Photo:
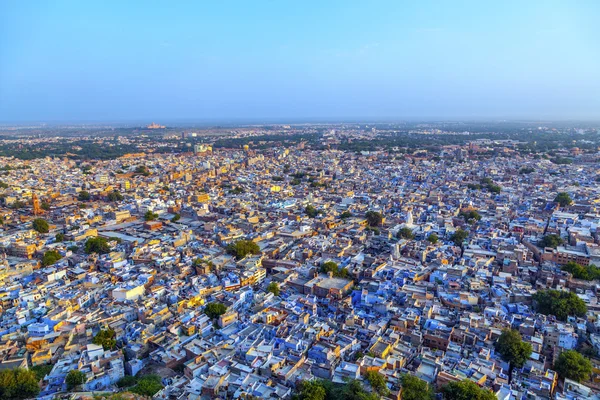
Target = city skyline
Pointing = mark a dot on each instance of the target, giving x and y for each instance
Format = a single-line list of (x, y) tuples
[(70, 62)]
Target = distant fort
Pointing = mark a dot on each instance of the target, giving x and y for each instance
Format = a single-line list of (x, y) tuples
[(154, 125)]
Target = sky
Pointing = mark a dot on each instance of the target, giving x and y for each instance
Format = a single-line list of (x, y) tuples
[(109, 61)]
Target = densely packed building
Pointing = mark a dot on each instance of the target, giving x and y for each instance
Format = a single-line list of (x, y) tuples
[(233, 273)]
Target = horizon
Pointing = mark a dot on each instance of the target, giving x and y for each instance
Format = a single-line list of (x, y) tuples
[(68, 62)]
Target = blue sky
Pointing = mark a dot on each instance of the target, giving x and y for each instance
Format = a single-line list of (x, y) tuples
[(196, 60)]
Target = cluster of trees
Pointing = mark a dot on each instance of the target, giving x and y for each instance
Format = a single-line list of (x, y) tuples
[(115, 195), (551, 240), (374, 218), (146, 385), (332, 267), (18, 384), (563, 199), (559, 303), (97, 245), (242, 248), (345, 215), (106, 339), (325, 389), (215, 309), (470, 216), (413, 388), (485, 183), (40, 225), (50, 257), (589, 273), (142, 170)]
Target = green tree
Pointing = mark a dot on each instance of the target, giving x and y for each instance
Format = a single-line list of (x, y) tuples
[(60, 237), (242, 248), (114, 196), (405, 233), (142, 170), (572, 365), (374, 218), (41, 371), (332, 267), (563, 199), (414, 388), (311, 390), (97, 245), (559, 303), (433, 238), (148, 385), (50, 257), (459, 236), (45, 206), (513, 349), (470, 216), (466, 390), (215, 309), (377, 382), (106, 339), (127, 381), (550, 241), (345, 215), (40, 225), (588, 273), (311, 211), (18, 383), (74, 378), (150, 216), (84, 195), (176, 218), (273, 288)]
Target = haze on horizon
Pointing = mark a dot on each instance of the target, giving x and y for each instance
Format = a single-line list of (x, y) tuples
[(159, 61)]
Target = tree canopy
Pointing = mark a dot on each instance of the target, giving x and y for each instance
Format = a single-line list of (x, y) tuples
[(50, 257), (273, 287), (513, 349), (433, 238), (414, 388), (215, 309), (242, 248), (332, 267), (311, 211), (148, 385), (74, 378), (551, 240), (559, 303), (563, 199), (97, 245), (589, 273), (106, 339), (572, 365), (115, 195), (40, 225), (84, 195), (470, 216), (150, 216), (405, 233), (377, 382), (466, 390), (18, 383), (459, 236), (374, 218)]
